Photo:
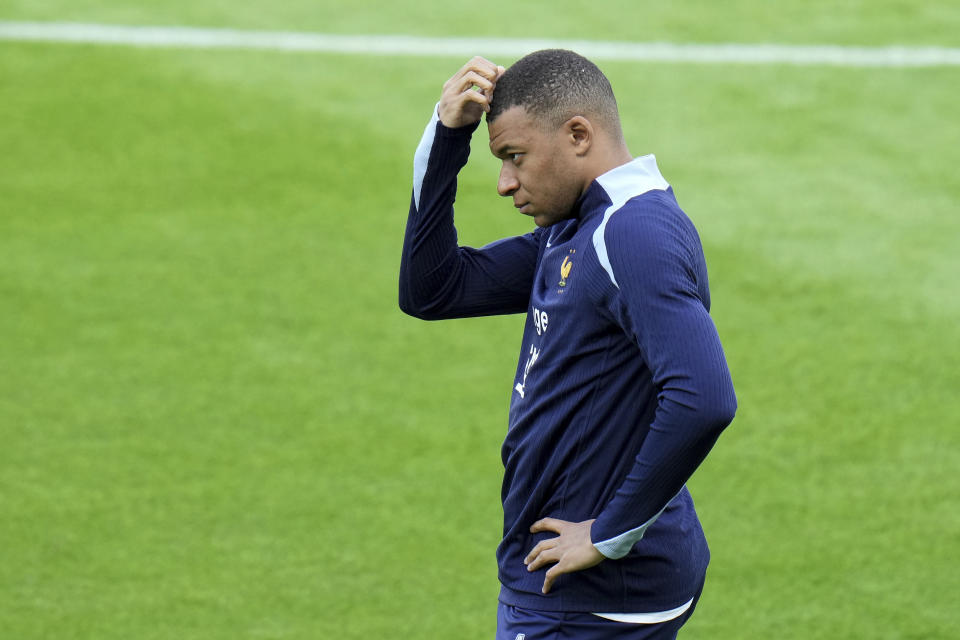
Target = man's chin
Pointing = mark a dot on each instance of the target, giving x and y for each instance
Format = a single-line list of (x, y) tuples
[(541, 219), (547, 219)]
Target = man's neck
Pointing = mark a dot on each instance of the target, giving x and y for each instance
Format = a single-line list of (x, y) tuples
[(606, 160)]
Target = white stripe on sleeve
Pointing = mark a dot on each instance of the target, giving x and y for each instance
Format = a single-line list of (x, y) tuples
[(422, 156)]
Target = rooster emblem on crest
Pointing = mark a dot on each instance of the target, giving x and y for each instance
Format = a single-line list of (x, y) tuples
[(565, 270)]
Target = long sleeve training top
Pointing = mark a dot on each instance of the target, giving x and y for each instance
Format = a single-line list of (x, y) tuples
[(621, 387)]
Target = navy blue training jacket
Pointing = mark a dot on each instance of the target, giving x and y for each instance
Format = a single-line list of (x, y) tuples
[(621, 387)]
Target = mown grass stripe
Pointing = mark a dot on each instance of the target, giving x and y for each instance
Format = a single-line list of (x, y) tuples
[(192, 37)]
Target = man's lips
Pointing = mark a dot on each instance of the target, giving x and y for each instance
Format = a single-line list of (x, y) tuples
[(521, 205)]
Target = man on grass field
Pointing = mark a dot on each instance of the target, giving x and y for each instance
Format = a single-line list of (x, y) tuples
[(621, 388)]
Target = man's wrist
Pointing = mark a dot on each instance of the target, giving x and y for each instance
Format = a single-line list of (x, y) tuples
[(466, 130), (592, 542)]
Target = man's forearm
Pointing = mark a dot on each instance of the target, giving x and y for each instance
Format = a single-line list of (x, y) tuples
[(669, 456), (430, 242), (438, 278)]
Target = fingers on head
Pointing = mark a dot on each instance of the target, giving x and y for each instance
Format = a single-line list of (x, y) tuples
[(478, 97), (474, 80), (482, 66)]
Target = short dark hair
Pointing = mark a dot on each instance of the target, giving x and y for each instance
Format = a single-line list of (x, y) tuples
[(554, 85)]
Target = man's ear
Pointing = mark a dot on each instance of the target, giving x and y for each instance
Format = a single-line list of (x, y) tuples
[(579, 133)]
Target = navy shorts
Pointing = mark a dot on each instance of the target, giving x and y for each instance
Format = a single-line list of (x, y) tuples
[(514, 623)]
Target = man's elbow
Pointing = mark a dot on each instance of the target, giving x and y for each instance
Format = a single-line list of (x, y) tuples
[(409, 306), (413, 310), (712, 406), (707, 409), (416, 308), (729, 409), (722, 410)]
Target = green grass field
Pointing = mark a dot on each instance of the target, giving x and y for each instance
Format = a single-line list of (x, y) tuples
[(216, 423)]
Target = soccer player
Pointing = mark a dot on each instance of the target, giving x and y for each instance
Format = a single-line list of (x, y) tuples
[(621, 388)]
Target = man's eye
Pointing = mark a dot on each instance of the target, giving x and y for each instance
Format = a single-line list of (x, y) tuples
[(516, 157)]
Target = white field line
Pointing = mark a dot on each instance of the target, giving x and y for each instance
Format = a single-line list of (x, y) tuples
[(396, 45)]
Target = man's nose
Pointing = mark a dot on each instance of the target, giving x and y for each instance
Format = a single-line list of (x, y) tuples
[(507, 183)]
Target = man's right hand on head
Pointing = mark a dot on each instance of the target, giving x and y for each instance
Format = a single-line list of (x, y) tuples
[(467, 95)]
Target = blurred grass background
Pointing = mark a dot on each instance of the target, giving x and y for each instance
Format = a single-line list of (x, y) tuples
[(215, 423)]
